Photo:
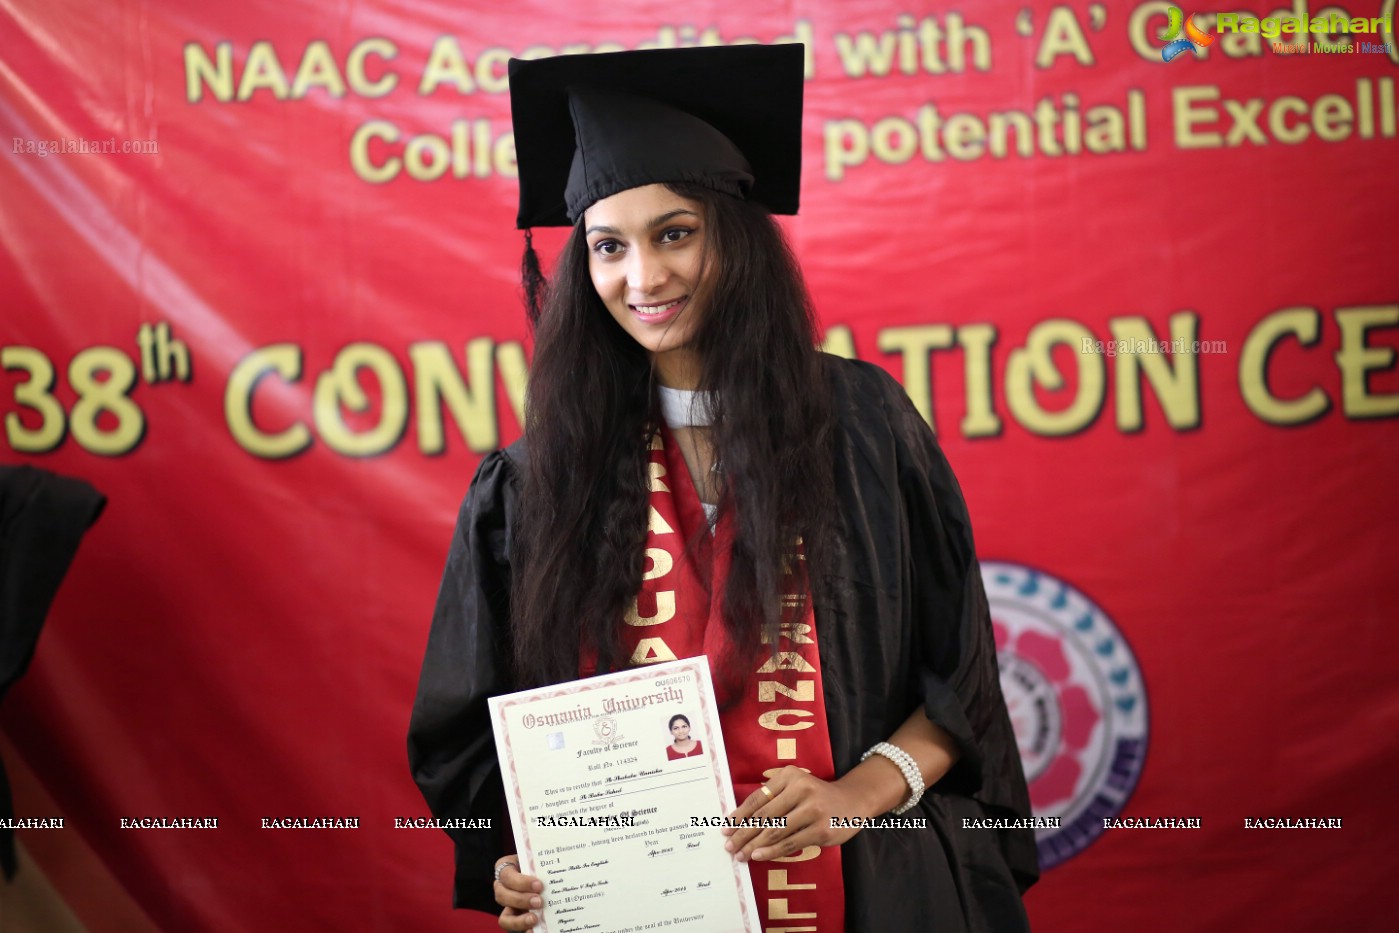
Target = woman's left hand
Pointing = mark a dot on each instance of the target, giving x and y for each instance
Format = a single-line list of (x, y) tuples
[(807, 802)]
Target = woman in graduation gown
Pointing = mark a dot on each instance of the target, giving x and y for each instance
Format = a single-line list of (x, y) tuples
[(695, 478)]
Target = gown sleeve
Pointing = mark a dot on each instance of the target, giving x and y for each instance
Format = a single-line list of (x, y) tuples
[(450, 746), (958, 672)]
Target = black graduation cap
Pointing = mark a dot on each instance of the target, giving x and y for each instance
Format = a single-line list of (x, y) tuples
[(589, 126)]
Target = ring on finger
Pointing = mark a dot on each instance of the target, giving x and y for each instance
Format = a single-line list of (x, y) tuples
[(766, 793)]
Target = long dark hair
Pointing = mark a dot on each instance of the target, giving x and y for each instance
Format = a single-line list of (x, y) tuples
[(577, 552)]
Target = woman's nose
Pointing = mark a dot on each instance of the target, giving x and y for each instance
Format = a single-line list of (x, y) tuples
[(645, 271)]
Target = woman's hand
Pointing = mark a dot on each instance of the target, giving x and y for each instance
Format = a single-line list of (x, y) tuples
[(519, 894), (874, 786), (808, 803)]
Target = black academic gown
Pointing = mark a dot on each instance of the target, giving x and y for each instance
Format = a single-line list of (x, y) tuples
[(905, 622), (43, 517)]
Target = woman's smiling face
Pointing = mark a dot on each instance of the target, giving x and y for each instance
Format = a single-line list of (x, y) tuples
[(680, 729), (646, 259)]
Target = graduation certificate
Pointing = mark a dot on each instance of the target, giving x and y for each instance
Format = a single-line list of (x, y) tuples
[(616, 804)]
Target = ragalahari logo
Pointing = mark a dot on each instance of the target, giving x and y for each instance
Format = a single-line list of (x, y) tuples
[(1195, 37)]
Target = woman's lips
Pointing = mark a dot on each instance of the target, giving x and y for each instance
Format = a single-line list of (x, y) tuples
[(658, 313)]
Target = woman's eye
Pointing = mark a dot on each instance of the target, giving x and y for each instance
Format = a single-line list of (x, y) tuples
[(673, 234), (607, 247)]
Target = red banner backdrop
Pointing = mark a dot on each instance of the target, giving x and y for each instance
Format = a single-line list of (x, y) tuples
[(260, 288)]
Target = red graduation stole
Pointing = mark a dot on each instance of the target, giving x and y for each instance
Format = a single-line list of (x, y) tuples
[(775, 714)]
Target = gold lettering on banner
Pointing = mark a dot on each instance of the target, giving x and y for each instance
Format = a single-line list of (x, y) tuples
[(665, 610), (786, 661), (657, 471), (769, 689), (768, 720), (805, 855), (804, 691), (778, 910), (777, 881), (657, 525), (652, 651), (795, 632), (661, 562)]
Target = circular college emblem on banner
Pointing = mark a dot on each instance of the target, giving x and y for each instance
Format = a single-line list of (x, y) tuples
[(1076, 699)]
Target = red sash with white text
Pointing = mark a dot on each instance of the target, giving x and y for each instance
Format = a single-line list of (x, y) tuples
[(775, 714)]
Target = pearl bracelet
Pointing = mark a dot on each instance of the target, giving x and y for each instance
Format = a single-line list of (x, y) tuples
[(908, 766)]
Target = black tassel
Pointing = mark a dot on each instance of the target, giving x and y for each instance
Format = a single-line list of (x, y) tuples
[(533, 279)]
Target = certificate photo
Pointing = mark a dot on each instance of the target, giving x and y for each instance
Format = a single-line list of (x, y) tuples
[(685, 743)]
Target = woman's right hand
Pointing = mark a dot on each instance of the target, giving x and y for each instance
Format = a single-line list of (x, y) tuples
[(519, 894)]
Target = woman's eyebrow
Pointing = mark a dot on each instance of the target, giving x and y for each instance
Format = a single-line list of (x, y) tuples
[(650, 225), (670, 215)]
